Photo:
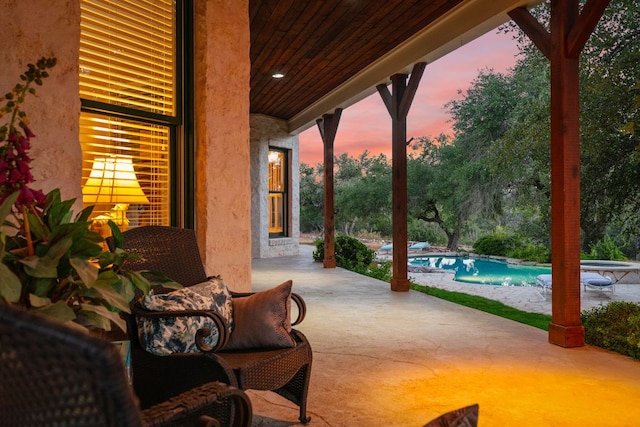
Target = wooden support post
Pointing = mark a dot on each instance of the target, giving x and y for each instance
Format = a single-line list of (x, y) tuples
[(398, 105), (569, 31), (328, 126), (565, 329)]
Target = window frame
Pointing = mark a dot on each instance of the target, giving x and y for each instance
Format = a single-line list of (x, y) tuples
[(285, 193), (180, 127)]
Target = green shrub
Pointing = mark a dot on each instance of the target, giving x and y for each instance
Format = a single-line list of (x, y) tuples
[(531, 252), (421, 231), (605, 249), (615, 327), (318, 254), (494, 245), (351, 253), (512, 246), (380, 271)]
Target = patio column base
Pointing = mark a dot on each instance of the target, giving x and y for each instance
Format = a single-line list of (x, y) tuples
[(566, 336), (329, 263), (400, 285)]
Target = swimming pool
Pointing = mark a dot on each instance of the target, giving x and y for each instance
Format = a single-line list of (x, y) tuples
[(483, 271)]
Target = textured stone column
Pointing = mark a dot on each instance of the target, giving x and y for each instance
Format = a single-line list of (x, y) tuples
[(223, 190), (30, 30), (269, 132)]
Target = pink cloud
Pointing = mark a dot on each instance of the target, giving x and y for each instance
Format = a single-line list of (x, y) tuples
[(367, 125)]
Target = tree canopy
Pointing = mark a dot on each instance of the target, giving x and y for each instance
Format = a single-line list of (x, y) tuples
[(494, 171)]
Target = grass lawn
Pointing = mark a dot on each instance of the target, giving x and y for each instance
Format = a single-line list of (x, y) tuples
[(537, 320)]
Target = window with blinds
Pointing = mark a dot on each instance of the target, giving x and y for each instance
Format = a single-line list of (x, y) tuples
[(127, 53), (277, 192), (129, 111)]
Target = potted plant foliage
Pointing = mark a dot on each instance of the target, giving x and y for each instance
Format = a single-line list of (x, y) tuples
[(52, 262)]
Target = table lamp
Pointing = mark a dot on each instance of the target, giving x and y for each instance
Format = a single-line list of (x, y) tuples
[(112, 180)]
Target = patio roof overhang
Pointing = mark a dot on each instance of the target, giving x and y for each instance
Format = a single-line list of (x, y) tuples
[(335, 52)]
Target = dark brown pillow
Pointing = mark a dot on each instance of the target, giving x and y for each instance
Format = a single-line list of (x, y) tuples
[(262, 320), (463, 417)]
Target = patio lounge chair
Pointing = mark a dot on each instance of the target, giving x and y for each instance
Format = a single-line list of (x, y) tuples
[(587, 280), (596, 281), (386, 248), (420, 246), (52, 375), (286, 371)]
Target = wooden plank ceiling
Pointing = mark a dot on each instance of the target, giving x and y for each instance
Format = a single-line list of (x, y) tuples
[(320, 44)]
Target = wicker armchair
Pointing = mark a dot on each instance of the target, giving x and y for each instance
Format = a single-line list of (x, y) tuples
[(51, 375), (174, 252)]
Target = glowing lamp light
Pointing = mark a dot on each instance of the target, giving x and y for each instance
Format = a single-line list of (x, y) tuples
[(112, 180)]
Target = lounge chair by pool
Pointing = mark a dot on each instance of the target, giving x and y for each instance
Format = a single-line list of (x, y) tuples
[(587, 280), (386, 248), (420, 246)]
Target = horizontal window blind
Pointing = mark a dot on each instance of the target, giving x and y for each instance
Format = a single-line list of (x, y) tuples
[(117, 141), (276, 213), (127, 59), (277, 187), (127, 53)]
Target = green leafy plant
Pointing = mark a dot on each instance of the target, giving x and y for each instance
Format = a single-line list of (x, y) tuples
[(55, 264), (615, 327), (380, 271), (492, 245), (351, 253), (605, 249), (512, 246), (531, 252), (52, 262)]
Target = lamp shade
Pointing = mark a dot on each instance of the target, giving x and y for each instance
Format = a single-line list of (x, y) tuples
[(113, 180)]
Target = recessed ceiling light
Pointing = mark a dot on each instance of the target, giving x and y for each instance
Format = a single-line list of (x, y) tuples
[(277, 75)]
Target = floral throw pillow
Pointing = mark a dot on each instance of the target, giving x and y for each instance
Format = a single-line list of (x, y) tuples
[(177, 335)]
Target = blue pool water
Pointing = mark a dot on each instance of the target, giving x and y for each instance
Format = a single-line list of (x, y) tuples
[(484, 271)]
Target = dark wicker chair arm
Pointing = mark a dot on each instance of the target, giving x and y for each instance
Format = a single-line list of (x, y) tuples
[(174, 252), (220, 323), (200, 406), (302, 306)]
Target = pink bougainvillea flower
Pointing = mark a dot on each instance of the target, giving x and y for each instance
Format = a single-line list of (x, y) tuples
[(27, 131), (15, 177), (23, 145), (25, 198)]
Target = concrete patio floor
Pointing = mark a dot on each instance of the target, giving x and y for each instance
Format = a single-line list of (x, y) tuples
[(383, 358)]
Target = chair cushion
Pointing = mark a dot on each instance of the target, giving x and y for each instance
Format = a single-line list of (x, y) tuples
[(594, 279), (177, 335), (262, 320)]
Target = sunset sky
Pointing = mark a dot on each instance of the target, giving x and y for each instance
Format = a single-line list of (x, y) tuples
[(367, 124)]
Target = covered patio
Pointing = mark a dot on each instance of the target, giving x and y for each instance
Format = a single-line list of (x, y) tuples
[(403, 358), (380, 357)]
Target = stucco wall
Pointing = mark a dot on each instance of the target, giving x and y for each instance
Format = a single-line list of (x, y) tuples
[(223, 191), (270, 132), (35, 28), (30, 30)]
